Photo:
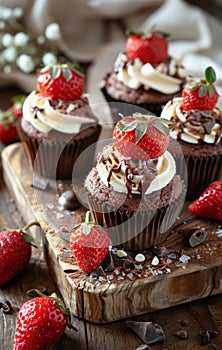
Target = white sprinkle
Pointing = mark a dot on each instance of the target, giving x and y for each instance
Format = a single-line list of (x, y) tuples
[(184, 258), (140, 258), (50, 206), (155, 261), (59, 216), (138, 267), (117, 272), (121, 253)]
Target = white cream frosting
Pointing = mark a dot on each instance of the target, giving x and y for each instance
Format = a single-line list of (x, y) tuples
[(134, 74), (166, 170), (38, 111), (184, 130)]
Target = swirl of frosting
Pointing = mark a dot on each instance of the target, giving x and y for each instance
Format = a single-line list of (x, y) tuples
[(167, 77), (194, 126), (42, 113), (130, 177)]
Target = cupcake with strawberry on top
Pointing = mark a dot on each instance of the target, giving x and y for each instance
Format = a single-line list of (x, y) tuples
[(144, 75), (58, 123), (133, 190), (196, 124)]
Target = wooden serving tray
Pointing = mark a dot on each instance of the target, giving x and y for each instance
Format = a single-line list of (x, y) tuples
[(188, 274)]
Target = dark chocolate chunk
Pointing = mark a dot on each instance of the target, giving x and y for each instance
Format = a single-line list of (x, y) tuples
[(182, 334), (206, 336), (69, 200), (149, 332)]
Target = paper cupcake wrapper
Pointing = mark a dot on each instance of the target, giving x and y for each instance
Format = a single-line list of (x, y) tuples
[(56, 159), (119, 106), (201, 171), (136, 230)]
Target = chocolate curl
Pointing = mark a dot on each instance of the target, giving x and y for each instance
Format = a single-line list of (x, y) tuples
[(194, 235), (197, 236), (149, 332)]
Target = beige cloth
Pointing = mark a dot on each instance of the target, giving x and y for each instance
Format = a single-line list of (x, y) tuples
[(91, 30)]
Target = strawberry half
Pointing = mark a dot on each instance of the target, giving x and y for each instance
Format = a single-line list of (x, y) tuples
[(41, 321), (61, 81), (209, 204), (15, 252), (89, 243), (149, 47), (201, 94), (141, 137)]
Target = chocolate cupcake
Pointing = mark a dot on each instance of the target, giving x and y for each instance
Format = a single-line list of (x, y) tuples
[(134, 190), (197, 127), (58, 123), (145, 75)]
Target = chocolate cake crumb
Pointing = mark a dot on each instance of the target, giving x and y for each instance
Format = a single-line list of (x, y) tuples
[(182, 334)]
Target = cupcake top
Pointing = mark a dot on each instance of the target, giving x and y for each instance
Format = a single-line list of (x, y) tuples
[(59, 103), (138, 161), (147, 64), (195, 117)]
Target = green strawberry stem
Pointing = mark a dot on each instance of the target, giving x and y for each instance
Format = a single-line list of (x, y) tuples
[(88, 217), (210, 75), (34, 223)]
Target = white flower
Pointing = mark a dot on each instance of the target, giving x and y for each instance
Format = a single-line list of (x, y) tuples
[(10, 54), (40, 39), (18, 12), (52, 31), (6, 13), (7, 40), (7, 69), (21, 39), (49, 58), (25, 63)]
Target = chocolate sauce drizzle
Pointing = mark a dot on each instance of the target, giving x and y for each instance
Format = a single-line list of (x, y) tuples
[(146, 169), (205, 120)]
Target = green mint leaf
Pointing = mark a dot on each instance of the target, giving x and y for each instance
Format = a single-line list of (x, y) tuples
[(128, 126), (210, 75)]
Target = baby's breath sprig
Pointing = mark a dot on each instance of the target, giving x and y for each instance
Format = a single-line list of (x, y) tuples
[(20, 50)]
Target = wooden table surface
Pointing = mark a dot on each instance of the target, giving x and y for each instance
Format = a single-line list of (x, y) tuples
[(194, 317)]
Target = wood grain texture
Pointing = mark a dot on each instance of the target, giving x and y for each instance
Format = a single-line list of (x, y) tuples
[(107, 302)]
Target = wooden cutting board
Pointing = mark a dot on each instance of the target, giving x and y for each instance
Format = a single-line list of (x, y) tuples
[(184, 274)]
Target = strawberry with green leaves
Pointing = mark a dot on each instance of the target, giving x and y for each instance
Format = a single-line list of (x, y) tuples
[(8, 120), (209, 203), (89, 243), (61, 82), (150, 47), (15, 252), (41, 321), (201, 94), (141, 137)]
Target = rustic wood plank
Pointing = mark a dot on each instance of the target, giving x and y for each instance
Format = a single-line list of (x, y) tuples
[(107, 302)]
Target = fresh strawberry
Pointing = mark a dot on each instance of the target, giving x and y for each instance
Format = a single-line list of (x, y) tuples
[(8, 120), (209, 204), (40, 323), (201, 94), (61, 82), (141, 137), (150, 47), (15, 252), (89, 244)]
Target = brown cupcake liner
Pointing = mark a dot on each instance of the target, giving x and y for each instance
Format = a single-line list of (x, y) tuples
[(56, 159), (199, 173), (126, 108), (136, 230)]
